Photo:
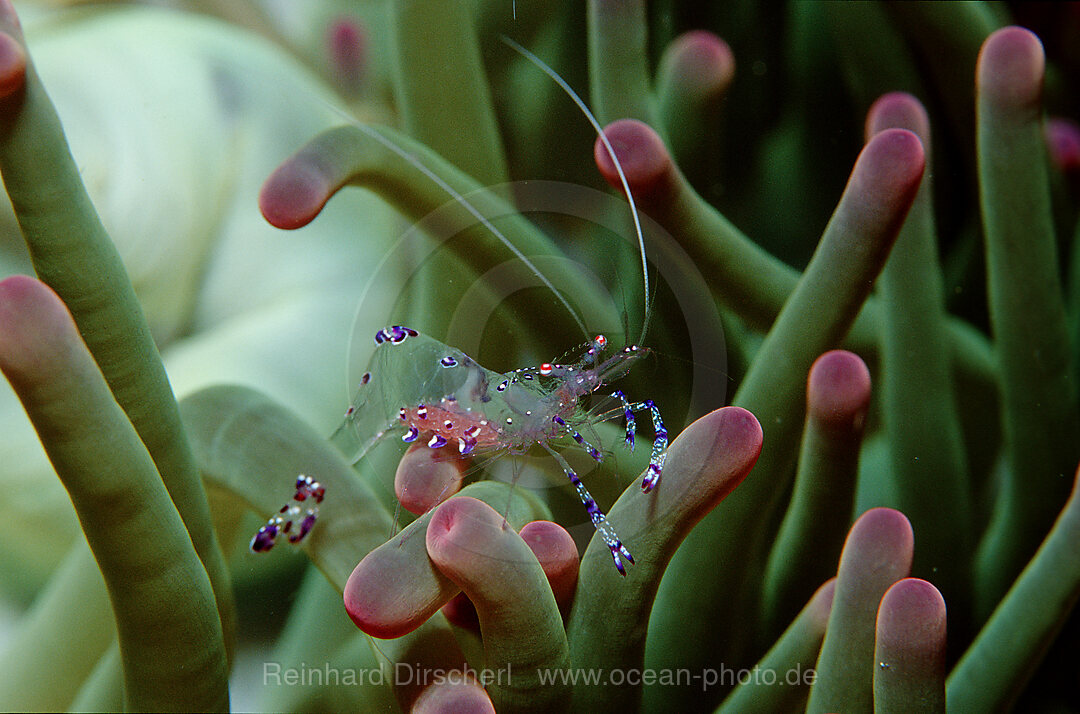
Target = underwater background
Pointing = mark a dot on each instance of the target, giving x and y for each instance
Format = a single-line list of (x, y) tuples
[(862, 312)]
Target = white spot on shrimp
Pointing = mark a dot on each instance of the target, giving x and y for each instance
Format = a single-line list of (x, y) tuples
[(448, 361)]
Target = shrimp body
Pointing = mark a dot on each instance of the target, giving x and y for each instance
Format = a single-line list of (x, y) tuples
[(431, 390), (434, 393)]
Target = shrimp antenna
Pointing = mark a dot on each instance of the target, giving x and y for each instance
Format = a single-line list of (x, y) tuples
[(614, 159), (461, 200)]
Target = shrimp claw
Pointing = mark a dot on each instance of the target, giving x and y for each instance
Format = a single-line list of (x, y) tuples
[(660, 442), (282, 522)]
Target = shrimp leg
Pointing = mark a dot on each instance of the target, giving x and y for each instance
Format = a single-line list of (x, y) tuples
[(599, 520), (656, 460), (593, 451), (282, 522)]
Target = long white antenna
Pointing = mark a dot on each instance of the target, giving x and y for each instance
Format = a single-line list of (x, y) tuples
[(472, 210), (614, 159)]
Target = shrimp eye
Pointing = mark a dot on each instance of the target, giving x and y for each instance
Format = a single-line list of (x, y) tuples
[(545, 369), (600, 341)]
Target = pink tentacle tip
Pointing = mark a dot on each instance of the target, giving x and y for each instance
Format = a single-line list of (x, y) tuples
[(722, 448), (838, 390), (898, 110), (887, 173), (12, 65), (347, 47), (912, 618), (464, 536), (426, 477), (1010, 68), (558, 556), (36, 330), (882, 535), (380, 605), (1063, 141), (702, 61), (645, 160), (457, 695), (294, 194)]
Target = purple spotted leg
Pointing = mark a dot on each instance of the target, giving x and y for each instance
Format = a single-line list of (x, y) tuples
[(282, 522), (660, 442), (592, 450), (599, 520)]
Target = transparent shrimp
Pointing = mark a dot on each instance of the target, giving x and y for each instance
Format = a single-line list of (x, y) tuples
[(430, 392), (434, 393)]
